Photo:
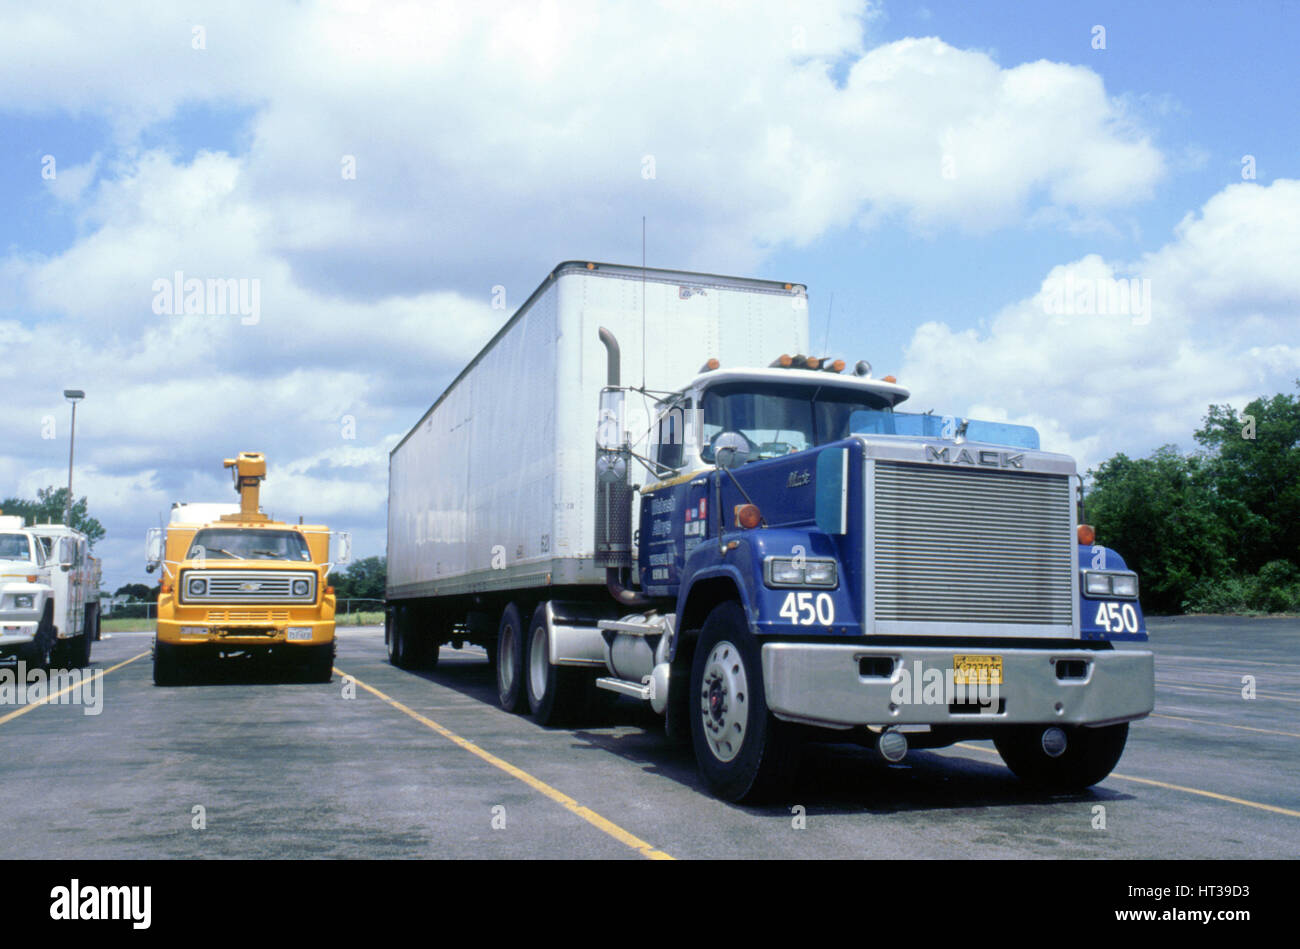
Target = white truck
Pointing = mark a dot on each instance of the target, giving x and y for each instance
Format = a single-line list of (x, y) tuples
[(75, 577), (49, 594)]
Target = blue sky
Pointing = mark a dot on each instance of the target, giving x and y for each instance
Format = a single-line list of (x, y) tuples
[(800, 142)]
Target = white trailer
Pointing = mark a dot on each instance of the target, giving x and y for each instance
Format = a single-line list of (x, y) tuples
[(492, 497)]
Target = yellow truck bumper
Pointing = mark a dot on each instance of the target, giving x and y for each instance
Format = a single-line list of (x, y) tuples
[(288, 633)]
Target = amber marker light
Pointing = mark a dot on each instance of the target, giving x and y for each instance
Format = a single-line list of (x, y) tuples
[(748, 516), (1087, 535), (890, 379), (782, 361)]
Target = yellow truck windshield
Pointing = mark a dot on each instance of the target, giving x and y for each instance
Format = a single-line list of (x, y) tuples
[(230, 543)]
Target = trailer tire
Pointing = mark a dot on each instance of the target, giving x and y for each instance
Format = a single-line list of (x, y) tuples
[(1090, 755), (554, 692), (744, 752), (399, 638), (510, 660)]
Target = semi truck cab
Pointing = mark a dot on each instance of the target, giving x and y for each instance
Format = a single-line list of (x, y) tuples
[(817, 560)]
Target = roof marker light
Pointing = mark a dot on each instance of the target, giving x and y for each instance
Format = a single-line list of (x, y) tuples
[(890, 379)]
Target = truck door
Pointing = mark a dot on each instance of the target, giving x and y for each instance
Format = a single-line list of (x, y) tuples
[(673, 516)]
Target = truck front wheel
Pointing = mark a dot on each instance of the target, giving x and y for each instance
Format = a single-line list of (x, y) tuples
[(743, 751), (166, 665), (44, 644), (320, 663), (1088, 756), (510, 660)]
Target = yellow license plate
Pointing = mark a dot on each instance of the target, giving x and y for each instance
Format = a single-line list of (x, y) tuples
[(977, 670)]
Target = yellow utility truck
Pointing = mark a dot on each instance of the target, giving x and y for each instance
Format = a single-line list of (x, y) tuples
[(236, 583)]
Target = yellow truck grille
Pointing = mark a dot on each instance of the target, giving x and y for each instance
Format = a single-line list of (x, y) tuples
[(247, 616)]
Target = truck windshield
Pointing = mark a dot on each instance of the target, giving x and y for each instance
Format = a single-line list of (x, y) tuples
[(230, 543), (780, 418), (14, 547)]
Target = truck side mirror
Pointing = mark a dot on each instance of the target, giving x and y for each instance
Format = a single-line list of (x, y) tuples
[(342, 546), (153, 548), (731, 450), (610, 430)]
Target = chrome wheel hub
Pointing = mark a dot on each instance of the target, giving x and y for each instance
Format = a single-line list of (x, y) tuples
[(724, 701)]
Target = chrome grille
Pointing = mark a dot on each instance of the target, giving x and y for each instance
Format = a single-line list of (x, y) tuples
[(248, 586), (971, 546)]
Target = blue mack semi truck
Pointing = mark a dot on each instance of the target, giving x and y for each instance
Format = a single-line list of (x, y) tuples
[(774, 552)]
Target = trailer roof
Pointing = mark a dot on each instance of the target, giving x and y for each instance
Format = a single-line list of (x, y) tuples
[(614, 271)]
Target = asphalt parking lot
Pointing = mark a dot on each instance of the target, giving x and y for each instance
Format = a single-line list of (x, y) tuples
[(389, 763)]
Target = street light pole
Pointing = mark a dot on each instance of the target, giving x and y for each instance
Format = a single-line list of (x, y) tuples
[(73, 396)]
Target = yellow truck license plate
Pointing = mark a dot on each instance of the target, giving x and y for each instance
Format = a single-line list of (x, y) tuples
[(977, 670)]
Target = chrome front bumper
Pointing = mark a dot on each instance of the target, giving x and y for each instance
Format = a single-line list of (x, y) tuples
[(16, 633), (824, 683)]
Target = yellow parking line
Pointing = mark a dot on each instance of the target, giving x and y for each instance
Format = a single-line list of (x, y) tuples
[(586, 813), (1172, 787), (1247, 728), (99, 673)]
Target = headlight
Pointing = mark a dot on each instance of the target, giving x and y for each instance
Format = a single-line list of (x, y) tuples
[(25, 601), (785, 571), (1097, 583), (1122, 585), (789, 572), (820, 573), (196, 586), (301, 587)]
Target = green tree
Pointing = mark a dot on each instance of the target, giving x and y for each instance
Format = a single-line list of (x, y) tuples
[(49, 507), (1255, 469), (363, 578), (1163, 516), (137, 591)]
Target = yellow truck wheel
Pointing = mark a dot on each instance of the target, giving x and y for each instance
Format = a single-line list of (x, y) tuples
[(166, 665)]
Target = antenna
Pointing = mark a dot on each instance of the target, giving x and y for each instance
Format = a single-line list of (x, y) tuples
[(643, 301)]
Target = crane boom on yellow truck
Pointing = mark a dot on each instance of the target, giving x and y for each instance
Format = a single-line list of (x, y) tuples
[(237, 583)]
